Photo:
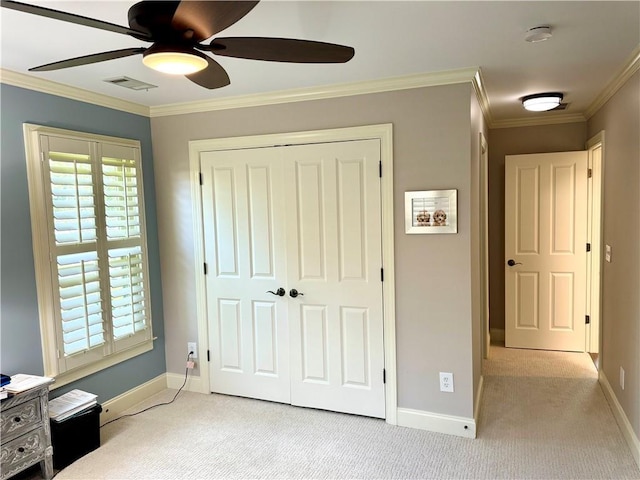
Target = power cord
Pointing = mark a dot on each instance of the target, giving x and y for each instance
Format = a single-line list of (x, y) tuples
[(186, 375)]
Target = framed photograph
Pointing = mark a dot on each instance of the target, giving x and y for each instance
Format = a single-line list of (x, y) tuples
[(431, 211)]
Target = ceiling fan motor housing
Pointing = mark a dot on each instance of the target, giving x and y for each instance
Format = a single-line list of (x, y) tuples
[(155, 18)]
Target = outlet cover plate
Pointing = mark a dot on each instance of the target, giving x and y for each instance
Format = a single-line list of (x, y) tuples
[(193, 347), (446, 382)]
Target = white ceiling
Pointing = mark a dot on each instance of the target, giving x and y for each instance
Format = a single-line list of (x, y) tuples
[(591, 42)]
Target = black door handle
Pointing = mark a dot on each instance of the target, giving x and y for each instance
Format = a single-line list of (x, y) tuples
[(511, 262), (293, 293), (280, 292)]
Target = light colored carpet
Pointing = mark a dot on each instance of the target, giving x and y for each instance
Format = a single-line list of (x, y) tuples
[(515, 362), (543, 416)]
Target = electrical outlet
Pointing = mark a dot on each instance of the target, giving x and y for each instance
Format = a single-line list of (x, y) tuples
[(193, 347), (622, 378), (607, 253), (446, 382)]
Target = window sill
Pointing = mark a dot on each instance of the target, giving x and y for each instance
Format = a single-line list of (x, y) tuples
[(81, 372)]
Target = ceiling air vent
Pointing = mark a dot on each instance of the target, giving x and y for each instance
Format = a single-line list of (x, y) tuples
[(130, 83)]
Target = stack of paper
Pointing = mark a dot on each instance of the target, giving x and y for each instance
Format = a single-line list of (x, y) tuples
[(21, 382), (70, 403)]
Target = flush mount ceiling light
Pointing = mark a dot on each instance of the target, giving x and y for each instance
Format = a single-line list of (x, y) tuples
[(174, 60), (538, 34), (542, 102)]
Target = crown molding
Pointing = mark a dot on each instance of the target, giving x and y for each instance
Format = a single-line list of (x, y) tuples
[(319, 93), (483, 98), (472, 74), (537, 121), (16, 79), (631, 66)]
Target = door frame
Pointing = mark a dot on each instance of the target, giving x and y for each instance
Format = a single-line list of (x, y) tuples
[(483, 230), (382, 132), (595, 236)]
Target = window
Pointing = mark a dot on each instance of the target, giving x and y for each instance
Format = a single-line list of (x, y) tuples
[(87, 216)]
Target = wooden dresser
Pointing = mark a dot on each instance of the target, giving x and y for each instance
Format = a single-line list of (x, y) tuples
[(25, 432)]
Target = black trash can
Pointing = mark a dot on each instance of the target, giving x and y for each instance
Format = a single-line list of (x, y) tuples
[(75, 436)]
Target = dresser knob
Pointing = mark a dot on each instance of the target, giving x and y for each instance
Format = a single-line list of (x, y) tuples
[(21, 449), (16, 419)]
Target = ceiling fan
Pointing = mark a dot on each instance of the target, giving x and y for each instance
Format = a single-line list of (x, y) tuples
[(176, 30)]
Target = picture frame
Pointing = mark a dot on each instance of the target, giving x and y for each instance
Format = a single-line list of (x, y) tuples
[(431, 211)]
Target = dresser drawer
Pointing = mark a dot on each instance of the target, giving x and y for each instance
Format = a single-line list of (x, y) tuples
[(23, 451), (20, 419)]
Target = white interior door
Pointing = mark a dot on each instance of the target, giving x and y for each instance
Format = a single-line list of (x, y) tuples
[(334, 233), (307, 218), (545, 247), (243, 214)]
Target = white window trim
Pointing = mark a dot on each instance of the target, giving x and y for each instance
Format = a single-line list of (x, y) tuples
[(42, 264)]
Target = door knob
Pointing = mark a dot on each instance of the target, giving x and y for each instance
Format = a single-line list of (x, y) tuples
[(511, 262), (293, 293), (280, 292)]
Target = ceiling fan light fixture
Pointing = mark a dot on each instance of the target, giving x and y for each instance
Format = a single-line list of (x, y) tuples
[(174, 61), (542, 102)]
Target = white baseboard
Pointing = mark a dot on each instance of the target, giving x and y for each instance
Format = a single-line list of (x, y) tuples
[(194, 383), (114, 407), (437, 422), (497, 335), (623, 422)]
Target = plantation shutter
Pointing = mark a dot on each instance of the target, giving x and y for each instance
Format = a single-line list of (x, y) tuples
[(93, 193), (128, 275), (71, 196)]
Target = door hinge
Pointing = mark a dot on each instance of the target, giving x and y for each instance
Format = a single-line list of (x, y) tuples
[(380, 169), (587, 319), (588, 247), (200, 178), (384, 375), (382, 274), (589, 173), (205, 268), (208, 356)]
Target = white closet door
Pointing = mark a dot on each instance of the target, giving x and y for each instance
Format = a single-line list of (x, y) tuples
[(245, 250), (307, 218), (334, 260)]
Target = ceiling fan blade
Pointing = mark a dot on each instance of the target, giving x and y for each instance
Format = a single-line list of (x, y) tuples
[(72, 18), (88, 59), (280, 50), (206, 18), (214, 76)]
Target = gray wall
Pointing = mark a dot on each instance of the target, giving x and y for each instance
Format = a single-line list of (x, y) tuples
[(433, 274), (20, 340), (620, 119), (514, 141)]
